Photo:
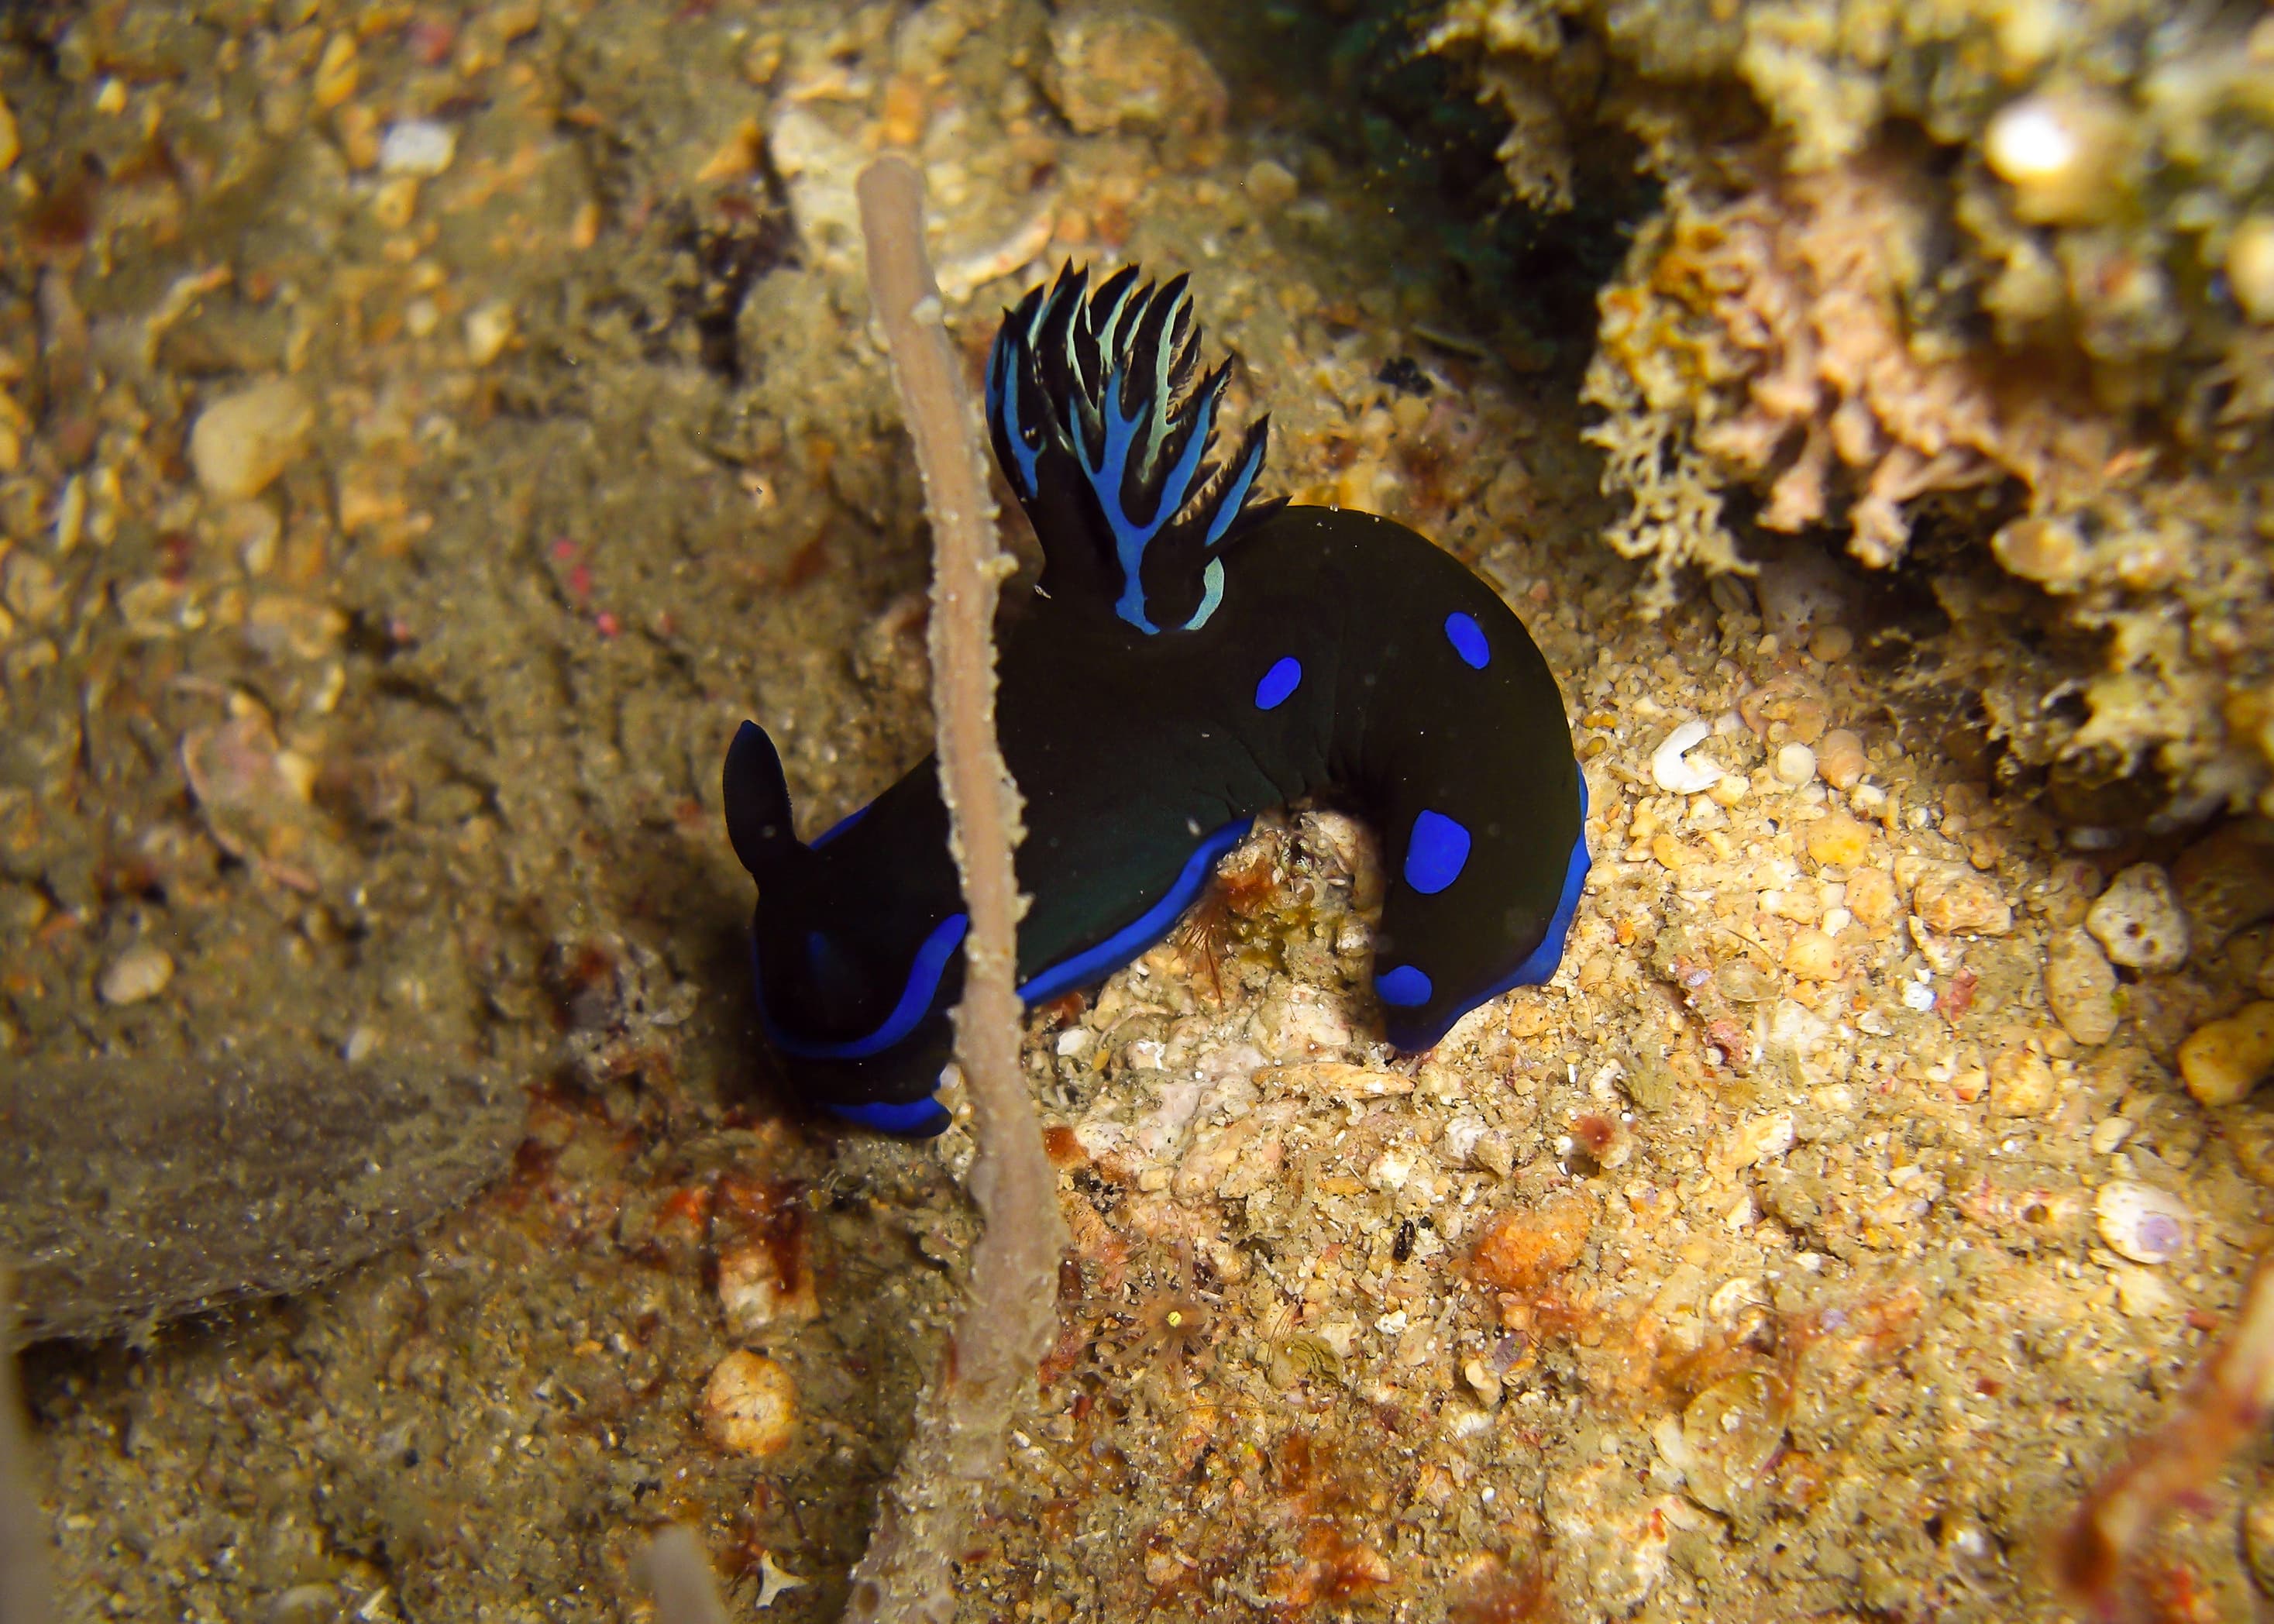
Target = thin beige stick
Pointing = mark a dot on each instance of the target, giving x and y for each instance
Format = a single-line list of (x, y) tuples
[(23, 1549), (677, 1575), (1013, 1313)]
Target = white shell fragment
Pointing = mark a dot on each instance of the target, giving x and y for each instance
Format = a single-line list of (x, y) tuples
[(1672, 770), (2141, 1222), (420, 146)]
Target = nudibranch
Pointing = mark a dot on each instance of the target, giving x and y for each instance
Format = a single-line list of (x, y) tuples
[(1191, 656)]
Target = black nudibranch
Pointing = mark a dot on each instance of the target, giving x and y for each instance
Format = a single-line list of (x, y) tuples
[(1191, 657)]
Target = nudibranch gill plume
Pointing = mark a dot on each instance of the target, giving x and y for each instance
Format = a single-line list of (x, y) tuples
[(1191, 655)]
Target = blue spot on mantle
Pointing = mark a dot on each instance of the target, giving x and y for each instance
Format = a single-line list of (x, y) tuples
[(1278, 683), (1404, 986), (1435, 854), (1468, 640)]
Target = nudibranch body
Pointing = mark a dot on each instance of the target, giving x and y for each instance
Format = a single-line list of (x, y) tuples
[(1191, 656)]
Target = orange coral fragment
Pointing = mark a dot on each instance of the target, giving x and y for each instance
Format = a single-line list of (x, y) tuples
[(1521, 1251)]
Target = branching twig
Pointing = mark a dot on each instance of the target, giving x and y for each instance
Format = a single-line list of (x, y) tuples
[(1011, 1315), (2229, 1402)]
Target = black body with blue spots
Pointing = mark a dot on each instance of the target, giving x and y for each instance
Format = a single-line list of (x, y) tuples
[(1189, 659)]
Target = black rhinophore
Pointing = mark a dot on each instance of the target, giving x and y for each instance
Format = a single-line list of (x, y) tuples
[(1191, 656)]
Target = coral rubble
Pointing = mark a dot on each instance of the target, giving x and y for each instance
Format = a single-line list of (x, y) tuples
[(1950, 266)]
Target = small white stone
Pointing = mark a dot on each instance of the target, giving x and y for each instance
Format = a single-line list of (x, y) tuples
[(1795, 766), (417, 147), (1918, 996), (1672, 770), (141, 972), (2030, 141)]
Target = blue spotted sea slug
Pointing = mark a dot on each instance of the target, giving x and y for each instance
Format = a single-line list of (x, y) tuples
[(1191, 656)]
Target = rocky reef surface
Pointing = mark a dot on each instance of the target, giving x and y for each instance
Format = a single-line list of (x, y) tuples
[(431, 427), (1982, 287)]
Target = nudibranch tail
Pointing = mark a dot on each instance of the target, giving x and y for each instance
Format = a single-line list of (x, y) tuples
[(1103, 430), (758, 804)]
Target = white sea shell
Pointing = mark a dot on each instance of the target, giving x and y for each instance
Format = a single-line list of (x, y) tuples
[(1672, 770), (2142, 1223)]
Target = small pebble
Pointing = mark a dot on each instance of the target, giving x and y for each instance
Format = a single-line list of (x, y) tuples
[(1871, 896), (1957, 902), (2047, 550), (2225, 881), (2138, 921), (749, 1405), (417, 147), (2223, 1061), (2021, 1084), (1917, 996), (2250, 266), (243, 441), (1813, 956), (1839, 758), (1270, 185), (1114, 67), (1744, 981), (2142, 1294), (2108, 1136), (2081, 987), (336, 73), (1764, 1138), (489, 329), (1796, 764), (1839, 840), (30, 587), (1832, 644), (2058, 149), (2142, 1223), (141, 972)]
